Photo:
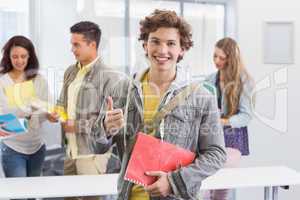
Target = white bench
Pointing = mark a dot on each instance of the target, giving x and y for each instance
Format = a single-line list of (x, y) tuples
[(90, 185)]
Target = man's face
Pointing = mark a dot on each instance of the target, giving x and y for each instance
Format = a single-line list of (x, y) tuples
[(82, 48), (163, 48)]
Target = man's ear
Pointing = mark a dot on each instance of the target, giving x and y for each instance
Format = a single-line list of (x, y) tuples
[(182, 52), (93, 44), (145, 45), (145, 48)]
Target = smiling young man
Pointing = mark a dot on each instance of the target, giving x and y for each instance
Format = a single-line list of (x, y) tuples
[(193, 124), (85, 85)]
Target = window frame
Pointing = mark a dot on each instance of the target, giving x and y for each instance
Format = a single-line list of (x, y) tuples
[(230, 22)]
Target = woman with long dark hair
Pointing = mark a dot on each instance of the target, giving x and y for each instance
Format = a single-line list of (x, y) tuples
[(22, 155)]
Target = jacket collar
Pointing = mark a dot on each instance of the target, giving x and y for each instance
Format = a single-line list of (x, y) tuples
[(182, 78), (97, 63)]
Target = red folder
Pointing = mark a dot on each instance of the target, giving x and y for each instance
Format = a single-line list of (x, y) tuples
[(152, 154)]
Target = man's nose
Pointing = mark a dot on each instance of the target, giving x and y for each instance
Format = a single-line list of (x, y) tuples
[(163, 48)]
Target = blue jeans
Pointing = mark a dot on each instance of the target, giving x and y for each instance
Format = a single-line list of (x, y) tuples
[(16, 164)]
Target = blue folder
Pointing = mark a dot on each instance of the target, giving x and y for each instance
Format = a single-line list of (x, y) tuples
[(10, 123)]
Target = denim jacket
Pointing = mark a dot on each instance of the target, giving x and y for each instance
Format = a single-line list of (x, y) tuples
[(244, 115), (193, 125)]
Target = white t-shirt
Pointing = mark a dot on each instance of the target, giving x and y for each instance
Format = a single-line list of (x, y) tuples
[(30, 142)]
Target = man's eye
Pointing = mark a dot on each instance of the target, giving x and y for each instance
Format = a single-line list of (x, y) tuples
[(154, 42), (171, 44)]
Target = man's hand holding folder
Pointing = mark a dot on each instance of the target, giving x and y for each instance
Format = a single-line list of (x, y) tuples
[(161, 187)]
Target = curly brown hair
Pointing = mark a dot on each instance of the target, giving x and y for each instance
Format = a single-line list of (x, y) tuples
[(167, 19)]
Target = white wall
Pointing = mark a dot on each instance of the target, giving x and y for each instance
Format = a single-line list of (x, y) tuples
[(269, 146)]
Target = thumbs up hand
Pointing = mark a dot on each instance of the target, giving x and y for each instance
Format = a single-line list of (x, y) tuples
[(114, 119), (110, 103)]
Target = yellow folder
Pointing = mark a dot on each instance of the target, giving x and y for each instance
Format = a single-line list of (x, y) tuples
[(23, 94), (60, 111), (20, 94), (50, 108)]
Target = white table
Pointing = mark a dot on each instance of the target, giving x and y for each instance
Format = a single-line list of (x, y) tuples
[(271, 178), (58, 186), (65, 186)]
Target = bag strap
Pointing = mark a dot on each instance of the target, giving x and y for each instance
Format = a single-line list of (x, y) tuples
[(177, 100)]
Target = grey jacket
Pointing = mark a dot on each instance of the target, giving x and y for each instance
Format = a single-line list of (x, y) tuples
[(194, 125), (96, 84)]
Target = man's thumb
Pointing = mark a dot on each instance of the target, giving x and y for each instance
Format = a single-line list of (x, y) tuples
[(110, 103)]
